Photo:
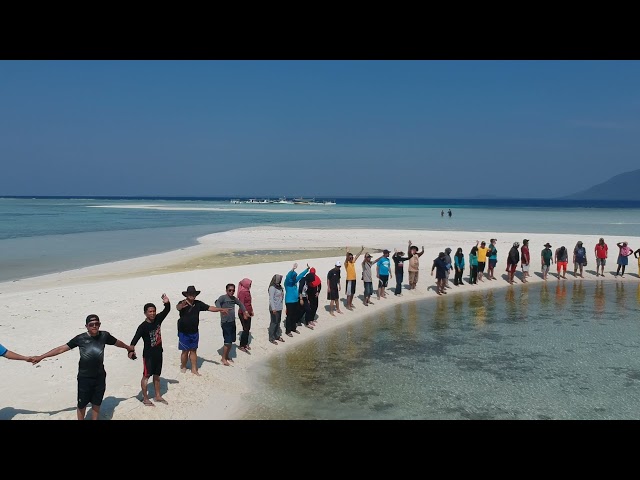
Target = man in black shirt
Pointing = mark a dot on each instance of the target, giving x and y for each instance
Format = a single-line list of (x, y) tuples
[(92, 377), (333, 292), (188, 327), (149, 331)]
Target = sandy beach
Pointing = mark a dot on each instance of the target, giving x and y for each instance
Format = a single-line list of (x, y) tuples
[(44, 312)]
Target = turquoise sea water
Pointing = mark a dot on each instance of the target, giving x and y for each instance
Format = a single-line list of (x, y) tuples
[(562, 350), (46, 235)]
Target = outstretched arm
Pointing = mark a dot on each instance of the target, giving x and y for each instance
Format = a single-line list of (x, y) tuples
[(359, 253), (218, 309), (16, 356), (51, 353)]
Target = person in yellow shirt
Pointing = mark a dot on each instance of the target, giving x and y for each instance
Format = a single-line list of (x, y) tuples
[(350, 284), (482, 258)]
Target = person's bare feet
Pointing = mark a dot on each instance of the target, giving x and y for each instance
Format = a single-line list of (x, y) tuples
[(225, 363), (332, 314), (183, 370), (195, 372), (148, 403), (161, 400), (339, 311)]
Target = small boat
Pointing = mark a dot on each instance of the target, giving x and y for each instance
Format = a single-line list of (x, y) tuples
[(304, 201)]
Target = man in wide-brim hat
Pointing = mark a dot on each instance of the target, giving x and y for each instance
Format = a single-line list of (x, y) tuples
[(188, 327)]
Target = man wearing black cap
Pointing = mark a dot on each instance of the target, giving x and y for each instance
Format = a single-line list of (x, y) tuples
[(188, 327), (92, 377)]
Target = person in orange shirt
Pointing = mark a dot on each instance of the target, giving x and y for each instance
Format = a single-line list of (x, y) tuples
[(482, 258), (350, 284)]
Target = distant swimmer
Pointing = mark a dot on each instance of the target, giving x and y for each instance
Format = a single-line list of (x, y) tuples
[(450, 213), (442, 213)]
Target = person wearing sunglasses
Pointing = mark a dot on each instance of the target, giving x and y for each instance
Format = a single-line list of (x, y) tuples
[(92, 377), (228, 301)]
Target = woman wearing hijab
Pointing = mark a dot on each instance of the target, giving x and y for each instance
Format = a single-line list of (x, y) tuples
[(305, 306), (276, 302), (314, 285), (292, 299), (458, 261), (244, 295), (473, 265)]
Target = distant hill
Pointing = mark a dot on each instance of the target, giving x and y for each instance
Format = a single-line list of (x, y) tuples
[(625, 186)]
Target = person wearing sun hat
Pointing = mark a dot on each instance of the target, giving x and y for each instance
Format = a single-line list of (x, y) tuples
[(546, 259), (188, 327)]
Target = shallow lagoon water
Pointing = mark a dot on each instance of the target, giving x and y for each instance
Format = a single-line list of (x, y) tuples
[(562, 350)]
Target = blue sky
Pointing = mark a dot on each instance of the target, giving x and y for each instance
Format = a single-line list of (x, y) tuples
[(436, 129)]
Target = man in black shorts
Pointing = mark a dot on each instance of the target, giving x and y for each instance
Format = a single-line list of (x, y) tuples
[(92, 377), (149, 331), (333, 290)]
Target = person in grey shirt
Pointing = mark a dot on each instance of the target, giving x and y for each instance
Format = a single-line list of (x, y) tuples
[(228, 320), (367, 279), (276, 303)]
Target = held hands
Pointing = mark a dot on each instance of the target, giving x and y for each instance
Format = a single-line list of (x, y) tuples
[(164, 297), (132, 354)]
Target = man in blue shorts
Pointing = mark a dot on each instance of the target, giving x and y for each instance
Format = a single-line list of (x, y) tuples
[(92, 377), (228, 302), (188, 327), (149, 332)]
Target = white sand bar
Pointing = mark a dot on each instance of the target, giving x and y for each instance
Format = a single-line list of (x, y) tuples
[(41, 313)]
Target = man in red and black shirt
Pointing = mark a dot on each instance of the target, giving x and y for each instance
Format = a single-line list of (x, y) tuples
[(149, 331)]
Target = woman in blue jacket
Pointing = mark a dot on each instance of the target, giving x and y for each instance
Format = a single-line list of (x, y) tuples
[(292, 299)]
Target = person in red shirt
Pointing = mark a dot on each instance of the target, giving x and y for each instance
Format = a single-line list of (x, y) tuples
[(602, 252)]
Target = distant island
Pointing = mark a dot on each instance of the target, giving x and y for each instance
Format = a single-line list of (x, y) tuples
[(621, 187)]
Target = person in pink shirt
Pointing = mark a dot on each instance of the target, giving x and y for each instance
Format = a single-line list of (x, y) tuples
[(623, 259)]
